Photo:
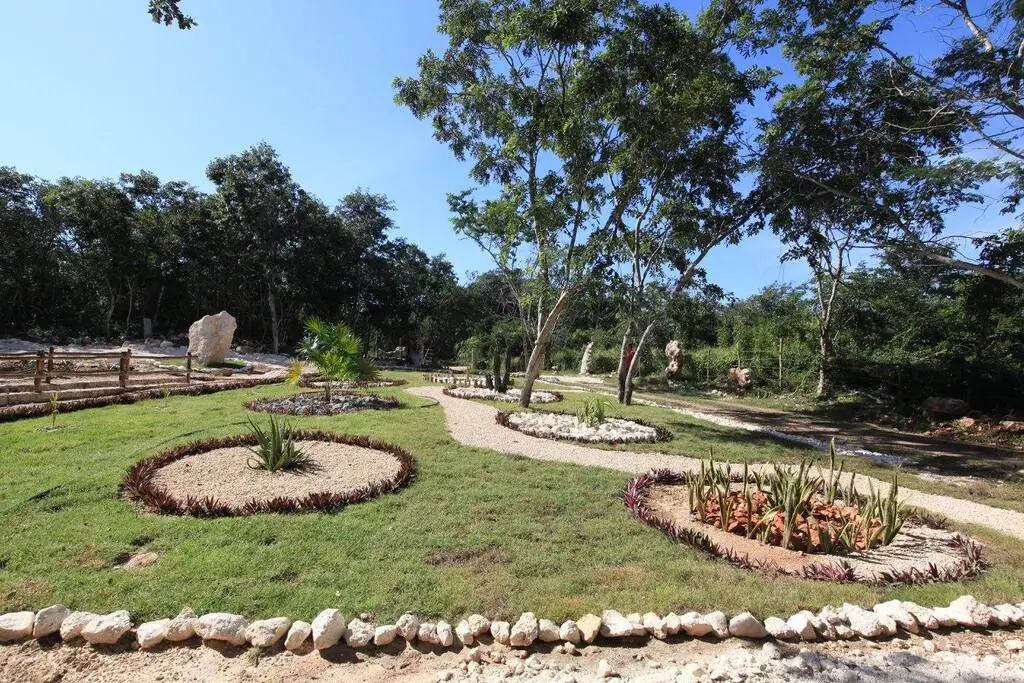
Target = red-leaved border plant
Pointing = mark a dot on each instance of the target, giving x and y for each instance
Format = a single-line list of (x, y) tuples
[(137, 484), (634, 496), (660, 433)]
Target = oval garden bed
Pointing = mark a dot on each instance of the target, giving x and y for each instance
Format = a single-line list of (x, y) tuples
[(311, 403), (216, 477), (510, 396), (567, 427), (316, 382), (821, 537)]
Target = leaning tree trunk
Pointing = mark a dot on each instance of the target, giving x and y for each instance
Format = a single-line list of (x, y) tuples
[(627, 389), (536, 362), (621, 373), (274, 317)]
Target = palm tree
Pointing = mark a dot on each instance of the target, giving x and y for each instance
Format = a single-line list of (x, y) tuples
[(334, 349)]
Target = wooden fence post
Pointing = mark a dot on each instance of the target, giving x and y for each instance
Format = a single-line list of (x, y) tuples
[(188, 367), (122, 378), (49, 365), (40, 371)]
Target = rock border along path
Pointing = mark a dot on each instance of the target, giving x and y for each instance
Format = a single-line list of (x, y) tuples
[(472, 424)]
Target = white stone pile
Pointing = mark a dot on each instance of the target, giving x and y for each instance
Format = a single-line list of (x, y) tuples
[(330, 627), (561, 426), (510, 396)]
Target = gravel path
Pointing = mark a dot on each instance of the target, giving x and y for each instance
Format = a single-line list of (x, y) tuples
[(465, 421)]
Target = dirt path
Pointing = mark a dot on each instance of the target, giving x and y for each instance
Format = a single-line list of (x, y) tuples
[(472, 424)]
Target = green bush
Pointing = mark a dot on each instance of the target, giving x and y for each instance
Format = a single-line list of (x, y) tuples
[(591, 413)]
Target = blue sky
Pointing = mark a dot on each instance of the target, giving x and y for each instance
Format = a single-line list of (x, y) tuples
[(95, 89)]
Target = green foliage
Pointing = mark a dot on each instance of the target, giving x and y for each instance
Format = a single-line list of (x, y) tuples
[(276, 449), (592, 412), (54, 408), (335, 351)]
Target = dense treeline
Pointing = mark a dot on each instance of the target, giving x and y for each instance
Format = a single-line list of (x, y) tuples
[(96, 257)]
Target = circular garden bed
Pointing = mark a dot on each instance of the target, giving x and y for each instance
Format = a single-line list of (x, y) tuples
[(510, 396), (833, 541), (566, 427), (315, 404), (316, 382), (215, 477)]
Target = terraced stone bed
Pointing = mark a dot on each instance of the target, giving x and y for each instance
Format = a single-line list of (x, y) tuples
[(509, 396), (316, 404), (562, 426)]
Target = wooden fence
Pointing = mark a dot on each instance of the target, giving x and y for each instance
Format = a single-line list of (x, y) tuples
[(43, 366)]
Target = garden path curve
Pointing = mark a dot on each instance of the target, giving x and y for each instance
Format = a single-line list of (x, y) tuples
[(472, 424)]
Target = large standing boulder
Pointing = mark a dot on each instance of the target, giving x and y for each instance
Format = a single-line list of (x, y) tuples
[(587, 364), (741, 378), (940, 406), (674, 353), (209, 338)]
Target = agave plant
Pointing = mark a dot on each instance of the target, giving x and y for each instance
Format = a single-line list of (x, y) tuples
[(591, 413), (276, 448)]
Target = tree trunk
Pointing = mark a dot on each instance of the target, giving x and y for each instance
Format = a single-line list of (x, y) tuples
[(620, 375), (824, 351), (274, 318), (536, 362), (156, 309), (508, 369), (109, 314), (627, 390)]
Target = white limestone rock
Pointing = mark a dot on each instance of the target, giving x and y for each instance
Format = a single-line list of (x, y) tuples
[(970, 613), (73, 624), (298, 634), (501, 631), (570, 632), (428, 633), (464, 633), (16, 625), (779, 629), (358, 633), (719, 624), (895, 610), (638, 624), (655, 625), (151, 633), (222, 626), (445, 636), (589, 626), (328, 628), (547, 631), (479, 625), (606, 670), (802, 626), (672, 624), (181, 627), (49, 619), (869, 624), (694, 625), (524, 631), (1011, 614), (107, 629), (944, 616), (384, 635), (614, 625), (266, 632), (746, 625), (408, 626), (209, 338)]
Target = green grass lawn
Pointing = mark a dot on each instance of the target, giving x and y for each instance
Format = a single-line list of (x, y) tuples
[(475, 531)]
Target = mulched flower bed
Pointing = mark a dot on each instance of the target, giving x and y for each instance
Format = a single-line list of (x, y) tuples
[(922, 552), (314, 403), (138, 484), (317, 382), (560, 426)]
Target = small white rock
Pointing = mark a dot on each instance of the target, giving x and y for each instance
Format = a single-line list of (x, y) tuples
[(445, 636), (605, 670), (924, 616), (589, 626), (1015, 645), (501, 631), (151, 633), (547, 631), (672, 625), (384, 635), (107, 629), (298, 634), (16, 625), (524, 631), (719, 624), (266, 632), (779, 629), (694, 625), (614, 625), (49, 619), (655, 625), (464, 633), (479, 625), (408, 626), (222, 626), (894, 610), (570, 633), (746, 625), (944, 616), (970, 613), (181, 627), (428, 633), (328, 628), (358, 633), (73, 624)]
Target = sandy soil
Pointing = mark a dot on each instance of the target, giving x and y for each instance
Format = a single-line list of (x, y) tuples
[(464, 420), (945, 658), (224, 474)]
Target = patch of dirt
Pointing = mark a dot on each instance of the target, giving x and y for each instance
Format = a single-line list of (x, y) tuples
[(467, 557), (224, 474), (138, 561)]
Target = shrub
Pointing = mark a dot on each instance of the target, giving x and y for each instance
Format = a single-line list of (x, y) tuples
[(591, 413), (275, 448), (335, 350)]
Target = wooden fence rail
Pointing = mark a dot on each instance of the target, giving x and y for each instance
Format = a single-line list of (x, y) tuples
[(42, 366)]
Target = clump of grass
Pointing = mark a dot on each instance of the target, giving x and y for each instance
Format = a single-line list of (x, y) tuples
[(275, 449), (591, 413), (54, 409), (165, 391)]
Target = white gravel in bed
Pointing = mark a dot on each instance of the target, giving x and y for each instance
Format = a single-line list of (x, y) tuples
[(558, 426), (510, 396)]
